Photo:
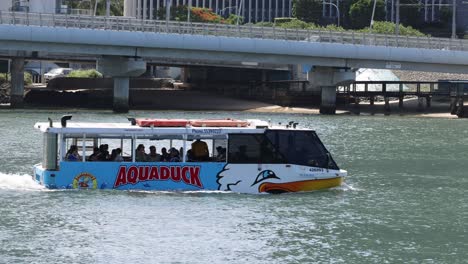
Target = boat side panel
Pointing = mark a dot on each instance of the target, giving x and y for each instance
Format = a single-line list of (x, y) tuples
[(242, 178), (141, 176)]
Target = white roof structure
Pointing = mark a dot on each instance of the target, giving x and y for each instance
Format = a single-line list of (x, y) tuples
[(129, 130)]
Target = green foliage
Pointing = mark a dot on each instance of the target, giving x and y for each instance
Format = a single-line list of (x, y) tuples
[(298, 24), (4, 77), (232, 19), (445, 15), (27, 78), (307, 10), (411, 13), (360, 13), (282, 20), (85, 74), (264, 24), (388, 28), (333, 27), (295, 23), (380, 27)]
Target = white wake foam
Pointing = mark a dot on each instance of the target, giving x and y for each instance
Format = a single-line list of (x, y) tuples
[(22, 182)]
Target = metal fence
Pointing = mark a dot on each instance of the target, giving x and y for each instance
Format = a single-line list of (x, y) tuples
[(241, 31)]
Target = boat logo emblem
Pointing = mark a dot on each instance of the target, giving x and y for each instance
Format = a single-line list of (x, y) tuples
[(85, 181)]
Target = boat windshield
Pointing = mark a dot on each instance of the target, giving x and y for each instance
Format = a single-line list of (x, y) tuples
[(280, 146)]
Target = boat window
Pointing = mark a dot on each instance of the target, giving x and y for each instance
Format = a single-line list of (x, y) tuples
[(252, 148), (101, 148), (280, 146), (301, 147)]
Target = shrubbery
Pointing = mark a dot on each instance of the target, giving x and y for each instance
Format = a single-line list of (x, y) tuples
[(85, 74), (360, 13), (382, 27), (308, 10), (379, 27), (27, 78)]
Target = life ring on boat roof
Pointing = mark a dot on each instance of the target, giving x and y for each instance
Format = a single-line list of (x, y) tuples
[(146, 122), (219, 123)]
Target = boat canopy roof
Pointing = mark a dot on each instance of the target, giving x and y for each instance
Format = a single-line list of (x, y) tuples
[(129, 130)]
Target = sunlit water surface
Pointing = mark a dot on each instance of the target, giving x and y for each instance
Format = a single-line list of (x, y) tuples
[(404, 201)]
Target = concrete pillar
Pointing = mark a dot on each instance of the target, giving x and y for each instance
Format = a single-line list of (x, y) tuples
[(17, 83), (121, 69), (387, 105), (400, 101), (453, 105), (328, 103), (372, 100), (420, 104), (121, 94), (460, 108), (357, 109), (428, 101), (264, 80), (322, 79), (184, 74)]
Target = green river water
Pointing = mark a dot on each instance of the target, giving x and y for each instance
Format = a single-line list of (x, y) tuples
[(405, 201)]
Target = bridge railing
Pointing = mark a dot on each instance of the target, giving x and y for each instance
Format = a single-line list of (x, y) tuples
[(243, 31)]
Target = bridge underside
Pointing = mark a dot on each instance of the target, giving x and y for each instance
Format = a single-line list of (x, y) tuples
[(188, 57), (41, 42)]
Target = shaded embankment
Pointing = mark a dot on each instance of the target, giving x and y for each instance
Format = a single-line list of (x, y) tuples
[(157, 99)]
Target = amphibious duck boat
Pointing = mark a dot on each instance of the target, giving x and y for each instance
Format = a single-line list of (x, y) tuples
[(248, 156)]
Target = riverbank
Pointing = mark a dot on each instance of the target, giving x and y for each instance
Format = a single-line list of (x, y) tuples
[(164, 99)]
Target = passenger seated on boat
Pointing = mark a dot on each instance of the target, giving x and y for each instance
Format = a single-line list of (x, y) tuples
[(140, 154), (72, 154), (103, 154), (174, 153), (116, 155), (200, 150), (189, 155), (164, 155), (94, 156), (241, 155), (153, 156), (221, 154)]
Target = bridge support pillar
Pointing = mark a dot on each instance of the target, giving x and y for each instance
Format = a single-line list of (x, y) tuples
[(387, 105), (184, 74), (460, 107), (328, 103), (453, 105), (372, 100), (121, 69), (121, 94), (325, 80), (400, 101), (420, 103), (17, 83), (428, 101)]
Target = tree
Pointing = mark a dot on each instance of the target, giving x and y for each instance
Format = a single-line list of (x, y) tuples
[(360, 12), (411, 12), (307, 10)]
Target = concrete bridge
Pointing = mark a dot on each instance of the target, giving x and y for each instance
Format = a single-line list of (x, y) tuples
[(123, 45)]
